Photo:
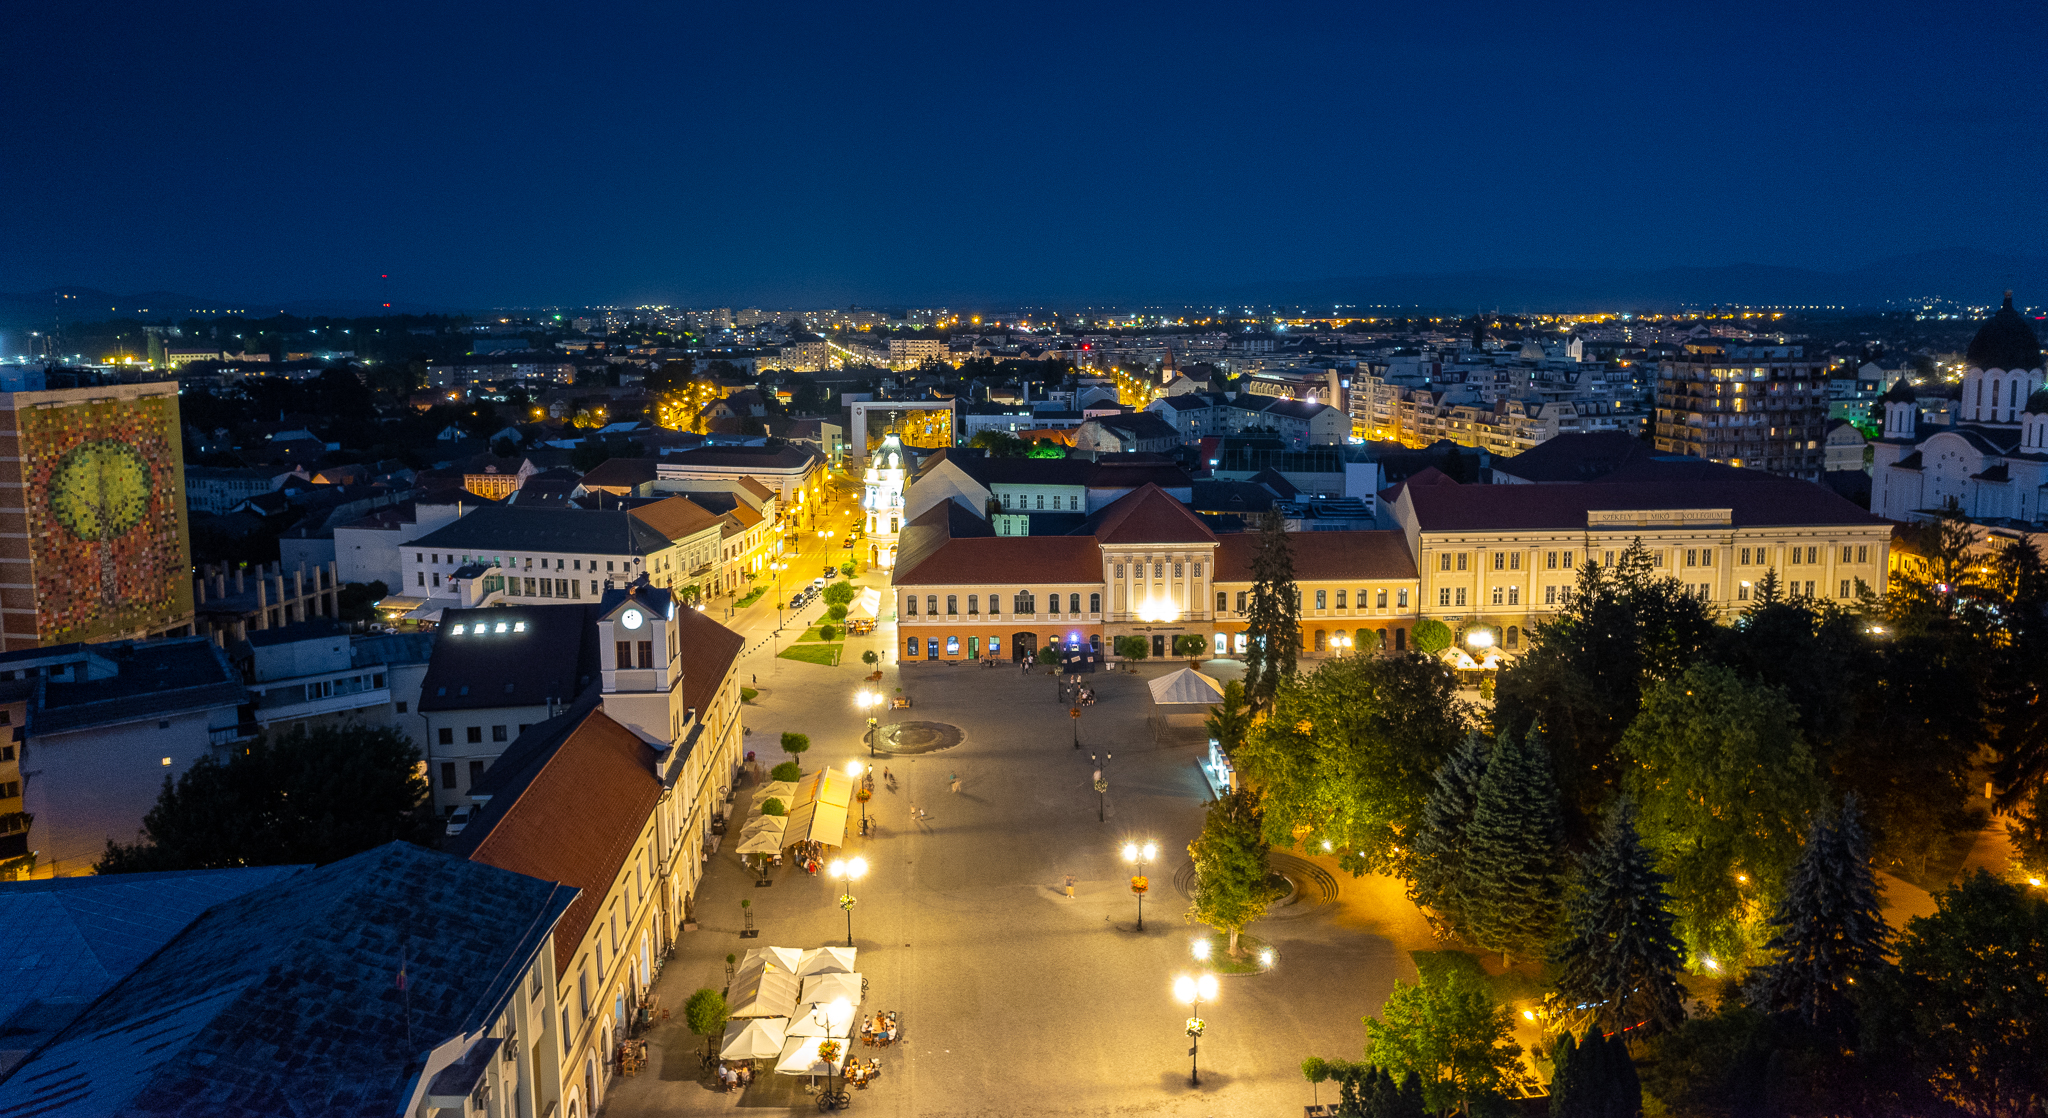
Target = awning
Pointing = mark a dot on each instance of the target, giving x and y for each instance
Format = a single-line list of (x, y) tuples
[(762, 836), (829, 786), (784, 790), (800, 1057), (825, 989), (788, 958), (391, 603), (1185, 686), (816, 822), (826, 960), (756, 1038)]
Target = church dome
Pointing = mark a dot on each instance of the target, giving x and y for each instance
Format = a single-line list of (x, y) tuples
[(2005, 341), (1901, 392)]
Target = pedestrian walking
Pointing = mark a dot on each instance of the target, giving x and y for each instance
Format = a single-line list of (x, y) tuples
[(955, 778), (914, 815)]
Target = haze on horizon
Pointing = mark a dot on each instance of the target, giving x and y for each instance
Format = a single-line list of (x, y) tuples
[(523, 153)]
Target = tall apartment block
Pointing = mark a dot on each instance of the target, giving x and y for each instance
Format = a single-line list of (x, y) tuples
[(93, 537), (1758, 407)]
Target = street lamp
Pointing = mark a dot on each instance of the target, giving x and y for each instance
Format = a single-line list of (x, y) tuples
[(1141, 855), (866, 701), (850, 870), (1193, 992), (1101, 786)]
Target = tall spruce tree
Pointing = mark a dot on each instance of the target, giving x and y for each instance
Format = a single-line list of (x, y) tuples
[(1273, 623), (1514, 858), (1620, 950), (1830, 927), (1437, 868), (1595, 1078)]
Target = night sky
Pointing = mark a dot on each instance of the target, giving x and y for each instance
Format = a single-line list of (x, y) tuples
[(787, 154)]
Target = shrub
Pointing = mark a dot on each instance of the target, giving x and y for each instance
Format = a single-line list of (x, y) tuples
[(773, 806), (788, 770), (846, 568), (795, 744), (1190, 645), (1049, 656), (871, 657), (827, 632), (836, 612), (1133, 648)]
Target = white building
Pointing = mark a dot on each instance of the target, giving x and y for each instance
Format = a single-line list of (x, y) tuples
[(882, 497)]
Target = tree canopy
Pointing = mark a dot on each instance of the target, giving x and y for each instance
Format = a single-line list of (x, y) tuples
[(296, 797), (1448, 1035), (1273, 623)]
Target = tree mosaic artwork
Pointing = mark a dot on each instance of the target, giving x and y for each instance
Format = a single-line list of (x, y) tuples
[(108, 538)]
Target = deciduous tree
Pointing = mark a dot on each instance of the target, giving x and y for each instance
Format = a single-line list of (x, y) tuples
[(1231, 888), (1449, 1037)]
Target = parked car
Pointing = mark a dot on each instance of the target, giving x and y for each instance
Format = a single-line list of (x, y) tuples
[(817, 584), (831, 573), (797, 600), (459, 820), (847, 544)]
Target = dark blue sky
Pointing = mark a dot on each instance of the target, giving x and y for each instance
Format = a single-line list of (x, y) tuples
[(811, 154)]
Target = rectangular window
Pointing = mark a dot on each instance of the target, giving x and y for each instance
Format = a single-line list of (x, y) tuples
[(624, 653), (1240, 601), (473, 735), (1322, 599), (1550, 560), (1500, 560), (1706, 557), (931, 604), (1515, 561), (1198, 570), (447, 771), (447, 736), (1499, 595), (1443, 562), (646, 649), (1178, 568), (1567, 560), (1692, 557), (1791, 556), (1743, 557), (1222, 601), (1119, 570), (1845, 589), (1340, 599), (1514, 595), (952, 604), (993, 608), (973, 604), (1813, 555), (1550, 595), (498, 734), (421, 576), (1041, 501), (1461, 596), (1094, 604), (1379, 599), (1401, 600), (1073, 603), (1863, 554), (476, 772), (1006, 500), (1158, 570), (1846, 552), (1461, 560), (1443, 596), (910, 605)]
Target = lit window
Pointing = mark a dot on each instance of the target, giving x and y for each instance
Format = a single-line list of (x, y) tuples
[(458, 630)]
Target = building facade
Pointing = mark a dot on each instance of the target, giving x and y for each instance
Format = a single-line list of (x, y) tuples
[(1756, 407)]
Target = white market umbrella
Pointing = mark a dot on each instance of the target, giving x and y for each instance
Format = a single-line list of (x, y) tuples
[(826, 989), (764, 990), (1185, 686), (866, 607), (821, 1019), (784, 790), (786, 958), (826, 960), (800, 1057), (758, 1038)]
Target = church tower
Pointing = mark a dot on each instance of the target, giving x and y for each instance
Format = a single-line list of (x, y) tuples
[(883, 500), (1901, 410), (2001, 369), (642, 668)]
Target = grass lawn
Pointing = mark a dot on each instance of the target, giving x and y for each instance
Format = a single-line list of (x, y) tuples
[(1220, 962), (1507, 987), (812, 634), (752, 596), (826, 655)]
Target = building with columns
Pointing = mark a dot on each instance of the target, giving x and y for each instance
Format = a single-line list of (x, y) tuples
[(882, 501), (1992, 463)]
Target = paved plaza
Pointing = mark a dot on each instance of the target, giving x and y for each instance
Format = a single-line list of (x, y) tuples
[(1014, 999)]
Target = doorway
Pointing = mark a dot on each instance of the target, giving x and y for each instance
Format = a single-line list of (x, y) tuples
[(1023, 646), (1158, 646)]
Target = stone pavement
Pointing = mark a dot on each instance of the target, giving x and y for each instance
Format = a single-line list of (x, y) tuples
[(1015, 1000)]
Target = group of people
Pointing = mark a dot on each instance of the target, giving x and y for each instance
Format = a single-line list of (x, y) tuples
[(735, 1078), (861, 1072), (878, 1030)]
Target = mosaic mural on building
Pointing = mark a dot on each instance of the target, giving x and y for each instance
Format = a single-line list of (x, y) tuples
[(106, 528)]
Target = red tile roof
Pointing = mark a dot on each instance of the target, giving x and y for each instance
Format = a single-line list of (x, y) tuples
[(709, 651), (1760, 502), (575, 820), (1323, 556), (676, 517), (1027, 560), (1146, 515)]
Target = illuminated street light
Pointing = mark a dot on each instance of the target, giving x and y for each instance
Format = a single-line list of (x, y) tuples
[(850, 871), (1193, 992), (1141, 855)]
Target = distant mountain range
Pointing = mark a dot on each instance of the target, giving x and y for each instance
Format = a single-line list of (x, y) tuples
[(1964, 275), (38, 309)]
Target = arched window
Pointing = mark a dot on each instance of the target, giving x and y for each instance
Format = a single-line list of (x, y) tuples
[(1023, 603), (1514, 636), (1322, 638), (931, 603), (1322, 599), (994, 607), (1381, 641), (952, 604), (910, 647), (1073, 603), (910, 605), (1094, 603), (1400, 640), (1223, 601), (973, 604)]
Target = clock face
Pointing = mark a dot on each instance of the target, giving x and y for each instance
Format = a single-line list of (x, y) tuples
[(100, 490), (632, 618)]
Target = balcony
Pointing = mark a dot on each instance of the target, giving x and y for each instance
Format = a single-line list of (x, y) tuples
[(307, 696)]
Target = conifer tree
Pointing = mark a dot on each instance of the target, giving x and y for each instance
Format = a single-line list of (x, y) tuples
[(1595, 1078), (1438, 878), (1514, 857), (1620, 951), (1829, 928), (1273, 623)]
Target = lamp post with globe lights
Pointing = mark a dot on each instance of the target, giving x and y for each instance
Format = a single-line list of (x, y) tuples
[(1141, 855), (850, 871), (1193, 992)]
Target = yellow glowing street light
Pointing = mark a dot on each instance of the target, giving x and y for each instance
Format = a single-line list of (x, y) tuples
[(1193, 992), (848, 870)]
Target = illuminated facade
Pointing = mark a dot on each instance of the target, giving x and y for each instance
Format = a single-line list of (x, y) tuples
[(94, 545), (882, 499), (929, 424)]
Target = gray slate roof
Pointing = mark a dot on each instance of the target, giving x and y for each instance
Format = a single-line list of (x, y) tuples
[(155, 678), (285, 1000), (512, 529), (555, 657)]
